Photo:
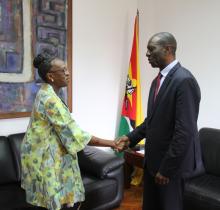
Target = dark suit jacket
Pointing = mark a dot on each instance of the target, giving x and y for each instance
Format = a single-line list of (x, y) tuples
[(172, 143)]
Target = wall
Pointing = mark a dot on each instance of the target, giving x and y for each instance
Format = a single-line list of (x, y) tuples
[(102, 36), (103, 32), (195, 26)]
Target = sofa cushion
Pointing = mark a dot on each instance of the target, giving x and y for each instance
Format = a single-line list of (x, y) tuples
[(15, 141), (98, 192), (204, 190), (8, 173), (97, 162), (210, 145), (12, 196)]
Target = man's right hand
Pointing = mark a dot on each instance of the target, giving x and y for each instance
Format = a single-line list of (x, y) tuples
[(122, 143)]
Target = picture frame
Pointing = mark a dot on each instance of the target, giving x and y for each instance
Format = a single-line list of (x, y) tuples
[(26, 29)]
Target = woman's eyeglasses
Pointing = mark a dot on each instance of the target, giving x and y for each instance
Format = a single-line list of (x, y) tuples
[(64, 70)]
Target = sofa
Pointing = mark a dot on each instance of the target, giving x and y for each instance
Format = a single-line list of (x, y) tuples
[(102, 174), (203, 192)]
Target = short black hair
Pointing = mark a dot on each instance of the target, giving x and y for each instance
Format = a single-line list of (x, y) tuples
[(166, 39), (43, 63)]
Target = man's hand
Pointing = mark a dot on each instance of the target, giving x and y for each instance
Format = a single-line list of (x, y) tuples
[(122, 143), (160, 179)]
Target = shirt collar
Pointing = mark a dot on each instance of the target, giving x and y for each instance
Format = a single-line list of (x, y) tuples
[(167, 69)]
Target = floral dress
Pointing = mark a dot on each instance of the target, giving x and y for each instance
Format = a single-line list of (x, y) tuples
[(50, 172)]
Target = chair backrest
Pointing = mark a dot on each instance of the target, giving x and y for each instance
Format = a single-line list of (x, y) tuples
[(7, 165), (15, 141), (210, 145)]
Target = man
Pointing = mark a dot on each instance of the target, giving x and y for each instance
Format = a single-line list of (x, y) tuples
[(172, 148)]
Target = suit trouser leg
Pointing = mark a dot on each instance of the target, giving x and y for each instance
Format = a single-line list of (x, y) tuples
[(150, 194), (162, 197), (171, 195)]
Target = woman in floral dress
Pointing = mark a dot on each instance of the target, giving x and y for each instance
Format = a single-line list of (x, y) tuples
[(50, 171)]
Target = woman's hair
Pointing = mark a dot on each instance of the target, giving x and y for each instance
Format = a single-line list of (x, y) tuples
[(43, 63)]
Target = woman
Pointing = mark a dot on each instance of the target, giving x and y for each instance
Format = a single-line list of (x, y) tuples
[(50, 171)]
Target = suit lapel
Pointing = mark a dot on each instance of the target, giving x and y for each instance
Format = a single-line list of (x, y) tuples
[(154, 105)]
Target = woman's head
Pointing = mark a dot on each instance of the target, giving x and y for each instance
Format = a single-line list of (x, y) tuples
[(51, 69)]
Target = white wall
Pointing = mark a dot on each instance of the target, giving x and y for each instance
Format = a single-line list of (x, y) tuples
[(102, 37), (195, 24), (11, 126)]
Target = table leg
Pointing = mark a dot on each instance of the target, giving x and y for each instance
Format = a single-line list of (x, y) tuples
[(127, 175)]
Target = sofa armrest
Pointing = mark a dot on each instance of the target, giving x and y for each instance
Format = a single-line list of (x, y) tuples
[(97, 162)]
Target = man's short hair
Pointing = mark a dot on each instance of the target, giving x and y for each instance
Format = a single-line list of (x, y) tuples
[(167, 39)]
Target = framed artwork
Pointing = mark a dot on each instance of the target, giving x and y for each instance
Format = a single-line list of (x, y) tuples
[(26, 29)]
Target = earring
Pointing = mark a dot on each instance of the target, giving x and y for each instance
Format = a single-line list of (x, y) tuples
[(52, 80)]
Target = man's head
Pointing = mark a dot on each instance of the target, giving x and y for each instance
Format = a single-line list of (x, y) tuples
[(161, 50)]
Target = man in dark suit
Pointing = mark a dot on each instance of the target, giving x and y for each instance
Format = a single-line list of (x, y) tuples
[(172, 149)]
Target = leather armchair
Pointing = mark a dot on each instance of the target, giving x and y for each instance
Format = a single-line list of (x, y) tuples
[(203, 192)]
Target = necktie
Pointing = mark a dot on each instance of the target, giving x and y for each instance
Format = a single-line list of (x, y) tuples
[(159, 76)]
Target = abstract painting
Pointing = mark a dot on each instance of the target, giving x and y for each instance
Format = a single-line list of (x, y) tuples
[(26, 29)]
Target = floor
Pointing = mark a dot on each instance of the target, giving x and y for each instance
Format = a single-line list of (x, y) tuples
[(132, 199)]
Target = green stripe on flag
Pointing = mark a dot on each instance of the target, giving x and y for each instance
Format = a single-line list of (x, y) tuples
[(124, 127), (123, 130)]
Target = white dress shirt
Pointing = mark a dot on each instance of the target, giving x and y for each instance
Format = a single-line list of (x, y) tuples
[(166, 70)]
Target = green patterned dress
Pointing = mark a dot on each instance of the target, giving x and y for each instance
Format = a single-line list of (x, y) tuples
[(50, 172)]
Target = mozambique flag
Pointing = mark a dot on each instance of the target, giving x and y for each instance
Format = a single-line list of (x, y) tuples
[(132, 115)]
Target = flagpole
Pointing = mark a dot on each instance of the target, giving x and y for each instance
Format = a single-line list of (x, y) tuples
[(138, 24)]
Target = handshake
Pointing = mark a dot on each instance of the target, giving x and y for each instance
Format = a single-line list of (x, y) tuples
[(121, 143)]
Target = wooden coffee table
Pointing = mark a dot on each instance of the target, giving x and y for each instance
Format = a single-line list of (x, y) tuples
[(132, 158)]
